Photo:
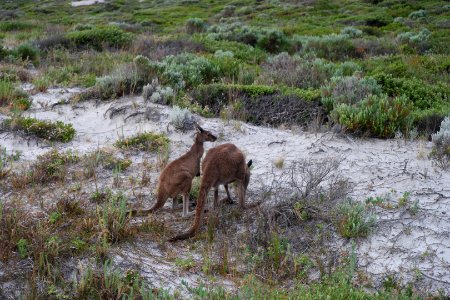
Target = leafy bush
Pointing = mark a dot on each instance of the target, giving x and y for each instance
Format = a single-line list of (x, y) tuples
[(421, 94), (123, 80), (97, 37), (12, 96), (146, 141), (418, 14), (418, 41), (348, 90), (332, 47), (353, 220), (26, 52), (194, 25), (379, 116), (51, 166), (187, 70), (271, 40), (441, 142), (15, 25), (57, 131)]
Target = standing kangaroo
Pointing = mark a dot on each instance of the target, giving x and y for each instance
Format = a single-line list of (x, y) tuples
[(177, 176), (222, 165)]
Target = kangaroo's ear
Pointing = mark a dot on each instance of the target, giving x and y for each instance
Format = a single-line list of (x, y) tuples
[(199, 129), (249, 163)]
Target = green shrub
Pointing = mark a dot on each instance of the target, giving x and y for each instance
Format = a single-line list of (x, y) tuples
[(194, 25), (52, 131), (146, 141), (26, 52), (51, 166), (97, 37), (333, 47), (273, 41), (379, 116), (240, 51), (187, 70), (421, 94), (114, 218), (353, 219), (12, 96), (15, 25)]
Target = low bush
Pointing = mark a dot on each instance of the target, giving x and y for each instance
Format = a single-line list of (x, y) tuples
[(51, 166), (181, 118), (441, 144), (155, 93), (146, 141), (15, 26), (335, 47), (12, 96), (348, 90), (52, 131), (26, 52), (195, 25), (271, 40), (98, 37), (353, 219), (295, 72), (421, 94), (379, 116)]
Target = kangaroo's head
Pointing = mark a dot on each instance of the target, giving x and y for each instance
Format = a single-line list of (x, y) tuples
[(204, 135), (247, 174)]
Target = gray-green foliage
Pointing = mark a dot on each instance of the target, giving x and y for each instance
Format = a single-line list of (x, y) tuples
[(441, 141), (351, 32), (349, 90), (181, 118), (156, 93)]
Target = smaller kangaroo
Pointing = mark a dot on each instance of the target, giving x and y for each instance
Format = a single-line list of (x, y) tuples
[(222, 165), (177, 176)]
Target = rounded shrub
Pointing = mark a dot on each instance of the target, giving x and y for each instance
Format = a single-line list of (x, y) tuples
[(194, 25), (379, 116)]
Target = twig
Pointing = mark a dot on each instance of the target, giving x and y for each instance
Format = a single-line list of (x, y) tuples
[(277, 142), (434, 278)]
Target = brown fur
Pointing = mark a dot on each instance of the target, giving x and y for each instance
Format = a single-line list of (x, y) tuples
[(222, 165), (177, 176)]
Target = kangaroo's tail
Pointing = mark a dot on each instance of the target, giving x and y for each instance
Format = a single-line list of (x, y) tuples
[(198, 217)]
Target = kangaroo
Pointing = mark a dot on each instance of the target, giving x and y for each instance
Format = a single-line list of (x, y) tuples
[(222, 165), (177, 176)]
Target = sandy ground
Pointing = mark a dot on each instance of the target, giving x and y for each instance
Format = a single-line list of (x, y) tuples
[(410, 247), (86, 2)]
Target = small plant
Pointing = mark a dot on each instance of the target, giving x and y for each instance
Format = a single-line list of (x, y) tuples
[(155, 93), (353, 220), (22, 247), (98, 37), (114, 219), (185, 263), (441, 145), (181, 118), (279, 163), (54, 217), (194, 25), (351, 32), (145, 141), (52, 131)]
